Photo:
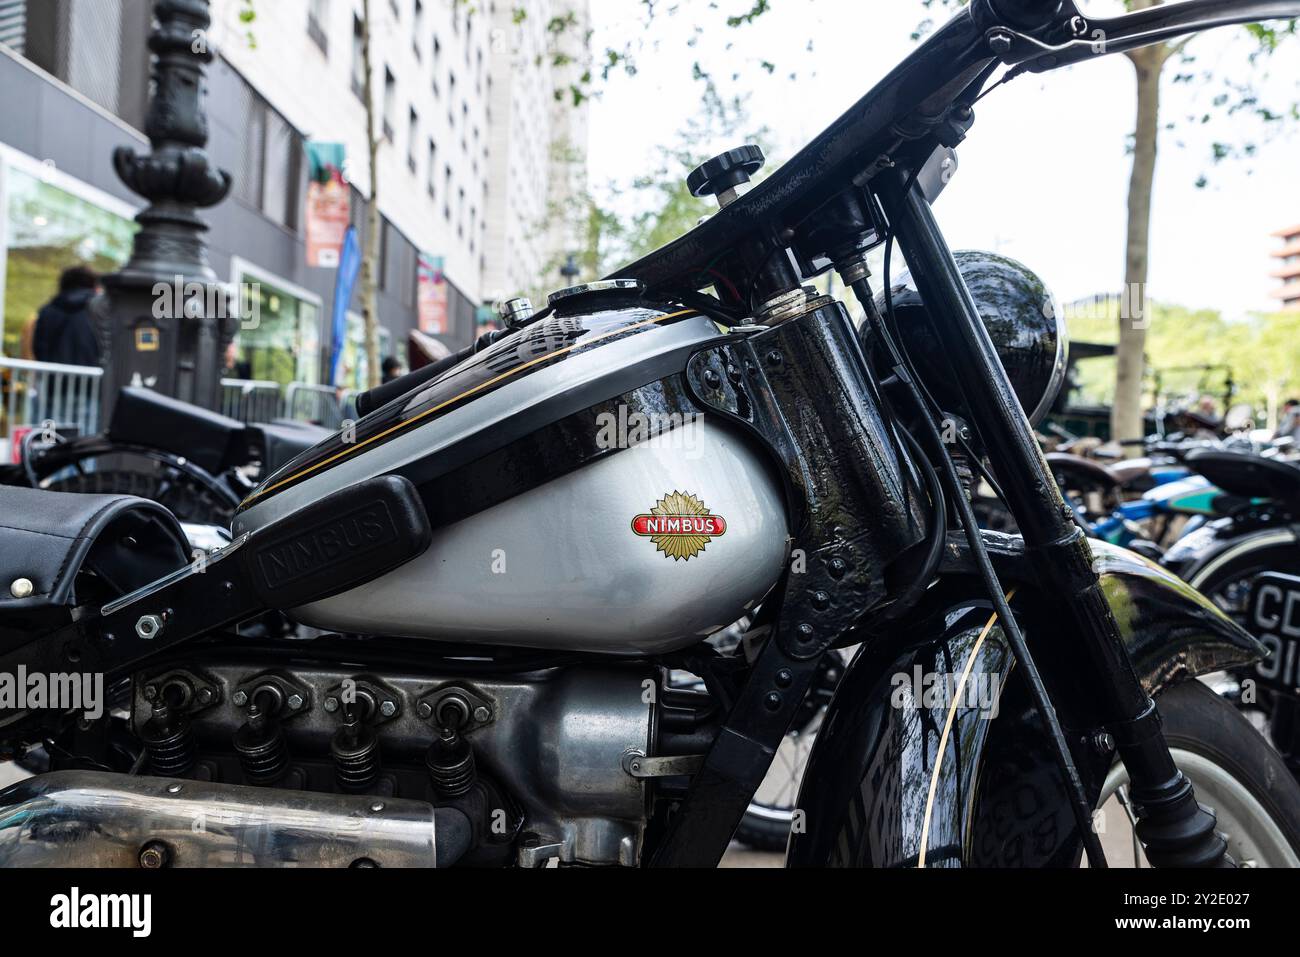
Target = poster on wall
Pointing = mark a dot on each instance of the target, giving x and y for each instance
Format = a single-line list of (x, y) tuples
[(432, 296), (329, 204)]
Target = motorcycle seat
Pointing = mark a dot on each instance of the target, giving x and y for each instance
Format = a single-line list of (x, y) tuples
[(211, 441), (283, 441), (59, 552), (1077, 471), (1248, 475)]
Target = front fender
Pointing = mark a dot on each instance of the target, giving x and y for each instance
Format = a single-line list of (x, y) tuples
[(958, 772)]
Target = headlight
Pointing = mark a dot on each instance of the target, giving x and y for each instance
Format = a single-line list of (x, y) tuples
[(1022, 317)]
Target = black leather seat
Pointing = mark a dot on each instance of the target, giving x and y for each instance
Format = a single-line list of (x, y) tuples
[(283, 441), (210, 440), (1247, 475), (59, 552)]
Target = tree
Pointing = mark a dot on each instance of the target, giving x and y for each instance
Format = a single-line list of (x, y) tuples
[(1149, 66), (370, 247)]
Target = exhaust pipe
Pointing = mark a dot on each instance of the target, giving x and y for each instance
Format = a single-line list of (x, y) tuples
[(96, 819)]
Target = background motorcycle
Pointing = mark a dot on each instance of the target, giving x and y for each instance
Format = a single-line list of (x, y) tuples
[(822, 490), (198, 464)]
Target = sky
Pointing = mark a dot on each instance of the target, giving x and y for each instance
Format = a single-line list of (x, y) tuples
[(1044, 174)]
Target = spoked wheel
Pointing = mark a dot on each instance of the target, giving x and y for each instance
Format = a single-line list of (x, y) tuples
[(766, 825), (1234, 771)]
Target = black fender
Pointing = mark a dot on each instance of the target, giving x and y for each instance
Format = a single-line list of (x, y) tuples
[(958, 772)]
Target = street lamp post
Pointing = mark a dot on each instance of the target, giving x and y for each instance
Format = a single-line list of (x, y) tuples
[(164, 320)]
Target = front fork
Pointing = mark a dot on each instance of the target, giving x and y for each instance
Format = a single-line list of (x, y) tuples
[(1176, 831)]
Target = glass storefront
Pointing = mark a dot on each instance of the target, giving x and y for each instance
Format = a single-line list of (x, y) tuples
[(48, 229), (281, 343)]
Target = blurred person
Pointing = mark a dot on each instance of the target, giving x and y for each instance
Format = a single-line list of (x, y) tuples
[(391, 369), (1288, 425), (63, 332), (234, 367)]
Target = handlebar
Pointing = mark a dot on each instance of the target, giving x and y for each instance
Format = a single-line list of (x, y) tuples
[(909, 104)]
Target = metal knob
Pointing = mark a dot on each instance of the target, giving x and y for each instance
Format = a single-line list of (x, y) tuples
[(723, 175)]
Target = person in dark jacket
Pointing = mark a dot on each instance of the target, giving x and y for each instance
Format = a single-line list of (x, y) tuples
[(63, 330)]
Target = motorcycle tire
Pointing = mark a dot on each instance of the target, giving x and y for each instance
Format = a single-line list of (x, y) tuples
[(1234, 771)]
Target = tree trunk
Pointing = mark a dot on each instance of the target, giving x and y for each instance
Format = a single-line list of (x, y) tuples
[(370, 251), (1126, 416)]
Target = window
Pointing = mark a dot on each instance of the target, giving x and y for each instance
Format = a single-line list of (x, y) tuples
[(358, 57), (390, 102), (318, 16), (50, 228), (417, 30), (446, 195), (433, 169), (413, 139)]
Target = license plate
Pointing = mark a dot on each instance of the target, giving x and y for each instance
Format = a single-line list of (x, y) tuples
[(1274, 617)]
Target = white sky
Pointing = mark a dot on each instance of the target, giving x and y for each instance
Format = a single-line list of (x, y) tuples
[(1044, 173)]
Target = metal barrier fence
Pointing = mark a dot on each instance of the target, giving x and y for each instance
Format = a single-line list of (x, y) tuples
[(35, 393), (250, 401), (318, 404)]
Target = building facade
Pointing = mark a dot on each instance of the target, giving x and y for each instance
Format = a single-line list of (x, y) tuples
[(1288, 270), (75, 73)]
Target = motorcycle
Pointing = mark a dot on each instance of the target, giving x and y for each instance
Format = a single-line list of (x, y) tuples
[(198, 464), (510, 558)]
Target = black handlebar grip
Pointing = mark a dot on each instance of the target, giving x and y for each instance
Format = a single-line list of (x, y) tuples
[(377, 398)]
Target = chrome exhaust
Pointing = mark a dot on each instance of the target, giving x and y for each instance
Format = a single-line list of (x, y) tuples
[(96, 819)]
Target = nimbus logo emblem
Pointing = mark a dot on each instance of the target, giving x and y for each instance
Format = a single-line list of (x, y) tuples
[(680, 526), (75, 911)]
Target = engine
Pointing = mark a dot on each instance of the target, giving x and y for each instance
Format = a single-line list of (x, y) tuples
[(241, 762)]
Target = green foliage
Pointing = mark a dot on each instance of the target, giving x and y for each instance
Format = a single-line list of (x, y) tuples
[(1261, 353)]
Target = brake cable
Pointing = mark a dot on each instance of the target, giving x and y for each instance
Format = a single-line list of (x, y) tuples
[(904, 371)]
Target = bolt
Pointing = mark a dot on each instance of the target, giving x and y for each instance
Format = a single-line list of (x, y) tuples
[(388, 709), (206, 696), (838, 568), (148, 627), (295, 702), (150, 692), (240, 699), (22, 588), (377, 806), (425, 709), (174, 788), (712, 379), (331, 705), (773, 701), (806, 632), (784, 678), (774, 359), (482, 713), (821, 600), (1000, 43), (154, 856), (1103, 743)]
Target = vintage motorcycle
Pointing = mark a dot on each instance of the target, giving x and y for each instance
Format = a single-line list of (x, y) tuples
[(511, 554)]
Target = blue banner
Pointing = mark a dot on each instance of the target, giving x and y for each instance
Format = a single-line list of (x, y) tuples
[(349, 268)]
